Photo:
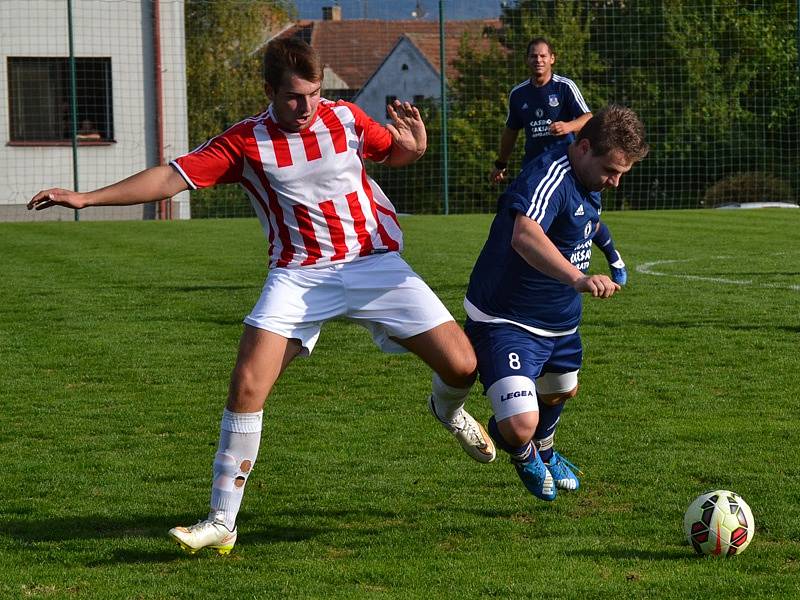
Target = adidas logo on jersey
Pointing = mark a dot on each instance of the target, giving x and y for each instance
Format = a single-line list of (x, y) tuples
[(524, 106), (579, 212)]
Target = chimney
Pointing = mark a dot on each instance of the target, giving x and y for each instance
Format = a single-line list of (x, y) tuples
[(331, 13)]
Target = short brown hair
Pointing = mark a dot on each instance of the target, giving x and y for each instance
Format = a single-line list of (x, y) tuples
[(290, 55), (539, 40), (616, 128)]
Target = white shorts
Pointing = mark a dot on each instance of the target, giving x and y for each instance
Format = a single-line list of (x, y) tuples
[(381, 293)]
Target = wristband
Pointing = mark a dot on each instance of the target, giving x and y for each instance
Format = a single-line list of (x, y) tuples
[(500, 165)]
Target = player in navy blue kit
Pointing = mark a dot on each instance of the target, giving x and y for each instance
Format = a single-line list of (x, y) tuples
[(550, 108), (524, 298)]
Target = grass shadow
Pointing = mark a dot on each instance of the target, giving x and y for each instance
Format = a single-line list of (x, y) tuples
[(221, 287), (709, 323), (60, 529), (170, 551), (99, 527)]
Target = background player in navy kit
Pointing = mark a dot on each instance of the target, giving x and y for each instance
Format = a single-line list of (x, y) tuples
[(550, 108), (524, 297)]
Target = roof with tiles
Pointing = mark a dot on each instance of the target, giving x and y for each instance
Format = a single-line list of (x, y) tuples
[(355, 48)]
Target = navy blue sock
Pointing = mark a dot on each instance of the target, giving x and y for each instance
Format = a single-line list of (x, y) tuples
[(603, 240), (500, 442), (546, 454), (548, 420)]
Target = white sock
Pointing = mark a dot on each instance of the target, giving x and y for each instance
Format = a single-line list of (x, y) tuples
[(240, 436), (448, 400)]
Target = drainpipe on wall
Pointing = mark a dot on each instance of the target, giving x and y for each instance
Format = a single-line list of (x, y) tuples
[(443, 91), (164, 206), (73, 106)]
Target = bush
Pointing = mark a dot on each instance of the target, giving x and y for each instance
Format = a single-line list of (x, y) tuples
[(753, 186)]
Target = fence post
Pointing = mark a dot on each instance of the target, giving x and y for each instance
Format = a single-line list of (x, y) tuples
[(443, 84), (73, 104)]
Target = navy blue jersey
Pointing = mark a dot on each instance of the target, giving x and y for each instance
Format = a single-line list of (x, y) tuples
[(536, 108), (503, 287)]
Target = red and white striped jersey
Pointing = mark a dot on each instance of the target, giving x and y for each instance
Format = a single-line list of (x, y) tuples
[(309, 189)]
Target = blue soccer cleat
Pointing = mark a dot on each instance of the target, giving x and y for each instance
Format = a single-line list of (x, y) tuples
[(536, 477), (562, 472), (619, 274)]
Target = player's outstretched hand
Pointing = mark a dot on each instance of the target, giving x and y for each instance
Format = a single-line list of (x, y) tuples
[(56, 196), (407, 127), (498, 175), (599, 286)]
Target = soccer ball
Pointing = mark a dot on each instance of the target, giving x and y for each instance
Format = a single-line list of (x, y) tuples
[(719, 523)]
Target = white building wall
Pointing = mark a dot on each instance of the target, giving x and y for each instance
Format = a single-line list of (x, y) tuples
[(101, 28), (391, 79)]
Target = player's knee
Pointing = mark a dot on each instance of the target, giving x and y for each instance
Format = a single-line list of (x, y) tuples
[(467, 361), (558, 398), (247, 388), (468, 366), (519, 429), (462, 368)]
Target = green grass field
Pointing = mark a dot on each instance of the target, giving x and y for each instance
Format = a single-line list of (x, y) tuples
[(117, 339)]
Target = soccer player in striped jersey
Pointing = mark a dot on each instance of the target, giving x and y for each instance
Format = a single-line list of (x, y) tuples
[(334, 251), (524, 298), (550, 108)]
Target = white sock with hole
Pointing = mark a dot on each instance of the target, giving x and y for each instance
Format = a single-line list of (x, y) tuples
[(240, 436)]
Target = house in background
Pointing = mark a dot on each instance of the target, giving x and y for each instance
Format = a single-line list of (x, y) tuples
[(406, 73), (131, 100), (372, 62), (411, 71)]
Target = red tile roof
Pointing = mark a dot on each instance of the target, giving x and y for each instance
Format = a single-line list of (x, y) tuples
[(355, 48)]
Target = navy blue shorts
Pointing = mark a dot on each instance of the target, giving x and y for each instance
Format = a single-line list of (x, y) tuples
[(504, 350)]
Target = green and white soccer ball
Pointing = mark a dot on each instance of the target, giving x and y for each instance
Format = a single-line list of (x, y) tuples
[(719, 523)]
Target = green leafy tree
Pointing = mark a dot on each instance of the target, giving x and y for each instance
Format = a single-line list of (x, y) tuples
[(708, 79), (715, 82), (477, 113), (486, 74), (416, 188), (224, 82), (567, 24)]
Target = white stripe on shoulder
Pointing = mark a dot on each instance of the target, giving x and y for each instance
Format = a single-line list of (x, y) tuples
[(553, 188), (547, 186), (514, 89), (575, 91), (255, 118), (519, 85), (542, 183), (248, 120)]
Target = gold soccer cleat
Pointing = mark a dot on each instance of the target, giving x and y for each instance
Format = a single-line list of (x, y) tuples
[(204, 534)]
